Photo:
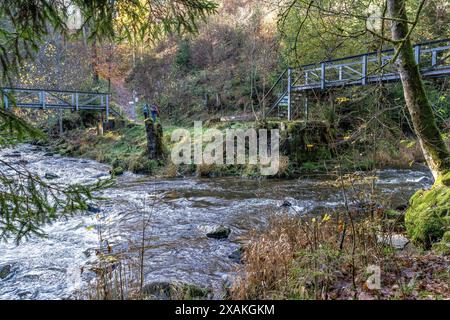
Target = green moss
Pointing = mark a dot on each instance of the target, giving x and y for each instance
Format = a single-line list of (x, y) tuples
[(117, 171), (446, 237), (445, 179), (427, 217), (309, 166), (392, 214), (443, 246)]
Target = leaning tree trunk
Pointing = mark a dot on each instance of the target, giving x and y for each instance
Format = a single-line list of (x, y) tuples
[(431, 141)]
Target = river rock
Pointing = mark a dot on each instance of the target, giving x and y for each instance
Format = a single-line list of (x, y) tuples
[(163, 290), (227, 282), (286, 204), (396, 241), (50, 176), (236, 255), (118, 171), (88, 252), (49, 154), (220, 232), (5, 271), (93, 209), (13, 155)]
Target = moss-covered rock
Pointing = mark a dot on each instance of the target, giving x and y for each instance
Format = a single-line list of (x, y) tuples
[(117, 171), (428, 215)]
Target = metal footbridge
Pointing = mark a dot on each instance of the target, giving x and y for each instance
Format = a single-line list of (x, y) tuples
[(44, 99), (433, 59)]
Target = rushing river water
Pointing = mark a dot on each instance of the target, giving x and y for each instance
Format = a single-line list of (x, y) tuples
[(183, 212)]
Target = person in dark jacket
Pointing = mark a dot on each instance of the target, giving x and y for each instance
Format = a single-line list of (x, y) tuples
[(145, 111), (154, 111)]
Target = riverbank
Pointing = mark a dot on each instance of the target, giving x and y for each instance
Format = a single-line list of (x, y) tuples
[(363, 250), (349, 256), (306, 148)]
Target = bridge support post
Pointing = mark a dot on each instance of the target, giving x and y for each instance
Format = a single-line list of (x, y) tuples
[(417, 53), (289, 94), (100, 127), (364, 70), (107, 107), (5, 99), (322, 76), (306, 109), (42, 99), (60, 121)]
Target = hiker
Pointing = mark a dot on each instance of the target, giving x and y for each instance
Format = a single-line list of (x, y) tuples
[(155, 111), (145, 111)]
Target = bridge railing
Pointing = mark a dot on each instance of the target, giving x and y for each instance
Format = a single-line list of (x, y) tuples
[(55, 99), (432, 57)]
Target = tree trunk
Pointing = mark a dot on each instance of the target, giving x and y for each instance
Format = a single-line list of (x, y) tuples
[(431, 141), (94, 64), (154, 139)]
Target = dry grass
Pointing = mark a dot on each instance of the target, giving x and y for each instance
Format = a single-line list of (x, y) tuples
[(408, 153), (283, 165), (171, 170), (115, 280), (316, 259), (205, 170)]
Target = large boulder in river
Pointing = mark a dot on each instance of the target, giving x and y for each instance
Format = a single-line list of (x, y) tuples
[(220, 232), (163, 290)]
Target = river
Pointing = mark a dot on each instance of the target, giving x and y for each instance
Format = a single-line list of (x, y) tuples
[(181, 212)]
